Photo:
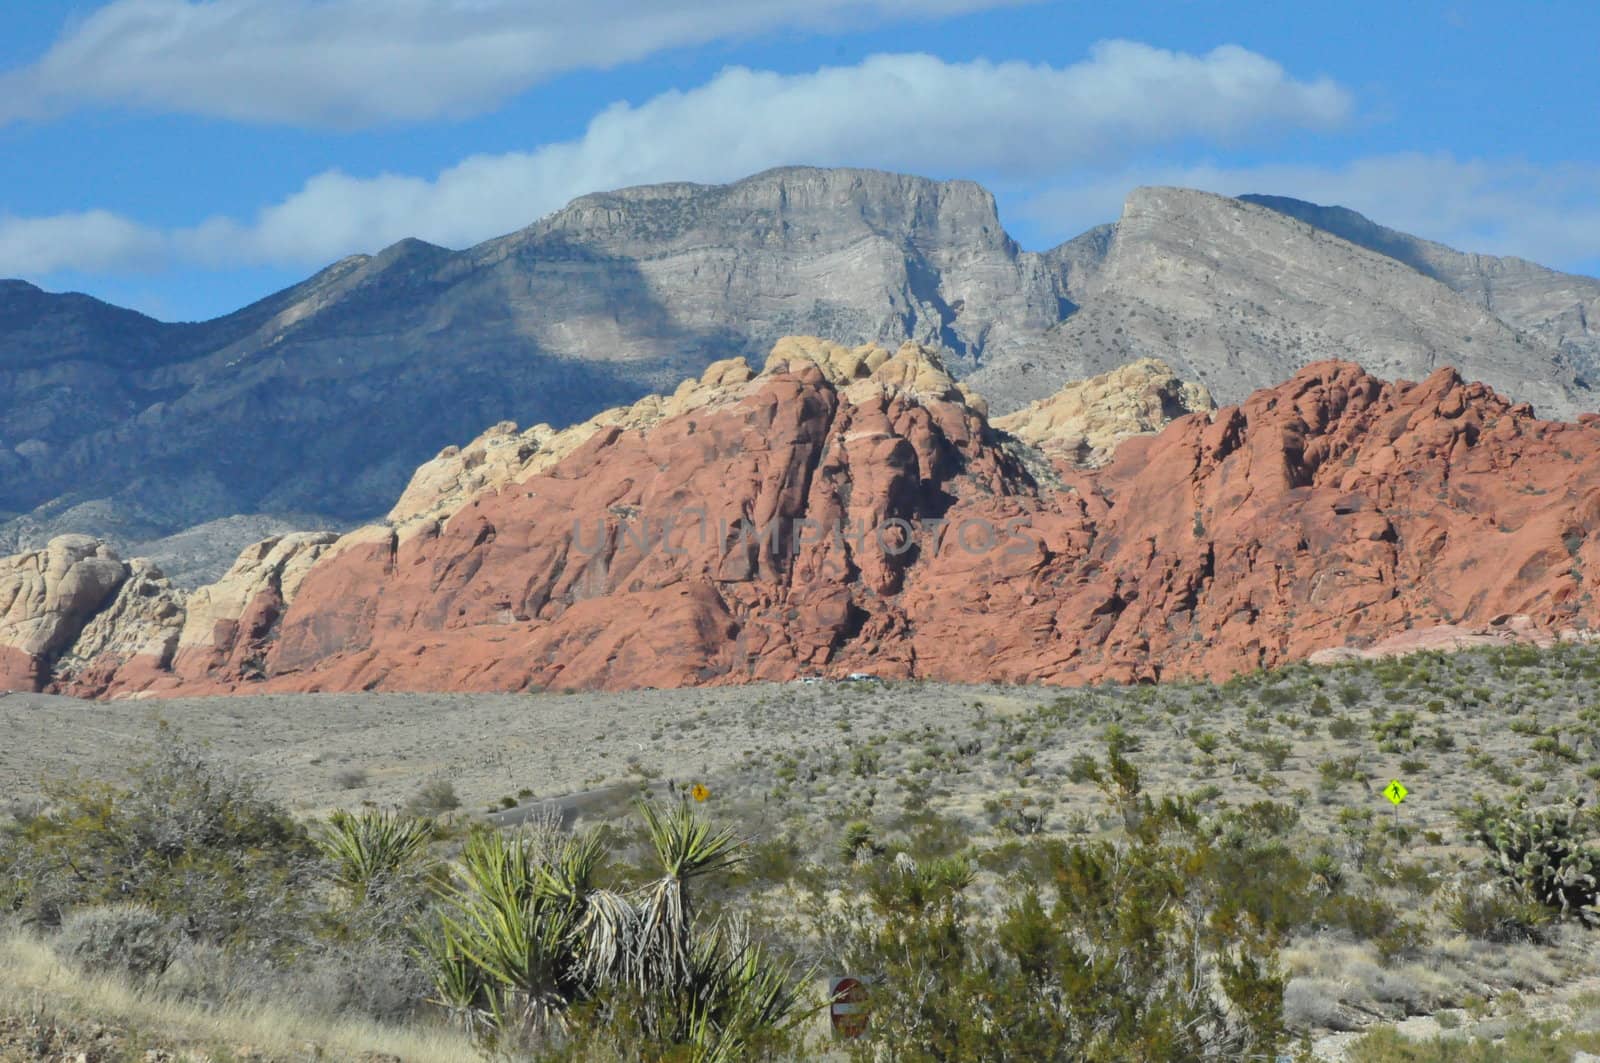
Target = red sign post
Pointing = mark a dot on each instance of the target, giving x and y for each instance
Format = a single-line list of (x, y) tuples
[(848, 1008)]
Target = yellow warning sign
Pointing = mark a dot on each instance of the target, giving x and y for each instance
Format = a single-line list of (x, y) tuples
[(699, 792), (1395, 792)]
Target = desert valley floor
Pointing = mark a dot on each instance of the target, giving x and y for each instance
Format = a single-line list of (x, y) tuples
[(796, 765)]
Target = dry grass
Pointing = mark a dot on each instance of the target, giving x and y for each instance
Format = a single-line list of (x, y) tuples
[(33, 981), (793, 764)]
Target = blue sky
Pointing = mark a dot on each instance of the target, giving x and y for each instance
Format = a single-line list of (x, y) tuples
[(185, 158)]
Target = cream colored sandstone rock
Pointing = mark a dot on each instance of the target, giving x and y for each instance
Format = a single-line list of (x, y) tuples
[(47, 595), (143, 619), (1085, 421), (505, 454), (438, 486), (870, 371), (278, 564)]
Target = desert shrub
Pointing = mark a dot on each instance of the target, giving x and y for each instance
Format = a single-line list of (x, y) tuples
[(1363, 917), (1102, 952), (1082, 768), (1310, 1003), (1490, 912), (1524, 1043), (350, 778), (1396, 732), (1274, 752), (435, 797), (126, 939), (1540, 852), (193, 843)]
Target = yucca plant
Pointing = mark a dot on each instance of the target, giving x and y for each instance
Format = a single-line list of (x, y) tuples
[(372, 847), (737, 995), (687, 848), (512, 913), (459, 989), (526, 940)]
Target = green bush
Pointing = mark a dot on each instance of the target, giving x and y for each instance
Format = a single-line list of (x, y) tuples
[(194, 844), (1539, 851), (1113, 959), (1490, 912), (435, 797)]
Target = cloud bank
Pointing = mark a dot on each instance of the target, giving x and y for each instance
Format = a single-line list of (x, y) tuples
[(1014, 121), (352, 63)]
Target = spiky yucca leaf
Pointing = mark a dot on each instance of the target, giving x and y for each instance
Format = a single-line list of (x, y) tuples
[(735, 994), (495, 862), (568, 876), (687, 845), (370, 846), (457, 982)]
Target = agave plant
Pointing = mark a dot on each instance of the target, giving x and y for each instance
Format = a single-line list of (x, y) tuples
[(368, 848)]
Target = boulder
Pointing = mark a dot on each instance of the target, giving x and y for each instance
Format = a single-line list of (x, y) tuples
[(46, 598)]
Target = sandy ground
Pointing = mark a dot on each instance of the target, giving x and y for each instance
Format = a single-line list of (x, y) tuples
[(795, 762), (307, 749)]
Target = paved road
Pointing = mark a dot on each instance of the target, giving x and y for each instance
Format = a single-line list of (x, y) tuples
[(569, 806)]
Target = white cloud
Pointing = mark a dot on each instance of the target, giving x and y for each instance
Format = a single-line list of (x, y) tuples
[(349, 63), (1549, 214), (93, 240), (904, 112)]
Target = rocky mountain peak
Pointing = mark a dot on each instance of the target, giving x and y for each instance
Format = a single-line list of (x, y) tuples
[(339, 387), (1331, 512)]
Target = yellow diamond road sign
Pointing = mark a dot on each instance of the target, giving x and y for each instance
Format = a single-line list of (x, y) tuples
[(699, 792), (1395, 792)]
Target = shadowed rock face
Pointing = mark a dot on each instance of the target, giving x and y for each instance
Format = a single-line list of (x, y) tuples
[(890, 529), (321, 400)]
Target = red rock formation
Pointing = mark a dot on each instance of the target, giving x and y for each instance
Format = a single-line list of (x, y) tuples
[(1333, 510)]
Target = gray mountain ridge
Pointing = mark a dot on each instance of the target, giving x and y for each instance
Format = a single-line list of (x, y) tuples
[(321, 399)]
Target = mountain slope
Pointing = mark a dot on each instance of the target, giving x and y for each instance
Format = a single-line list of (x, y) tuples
[(1560, 309), (854, 510), (321, 399), (1239, 296)]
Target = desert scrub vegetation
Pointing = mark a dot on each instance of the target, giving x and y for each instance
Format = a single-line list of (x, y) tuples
[(530, 951), (991, 860)]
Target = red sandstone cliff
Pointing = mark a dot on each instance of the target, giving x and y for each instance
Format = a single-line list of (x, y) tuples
[(1332, 510)]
